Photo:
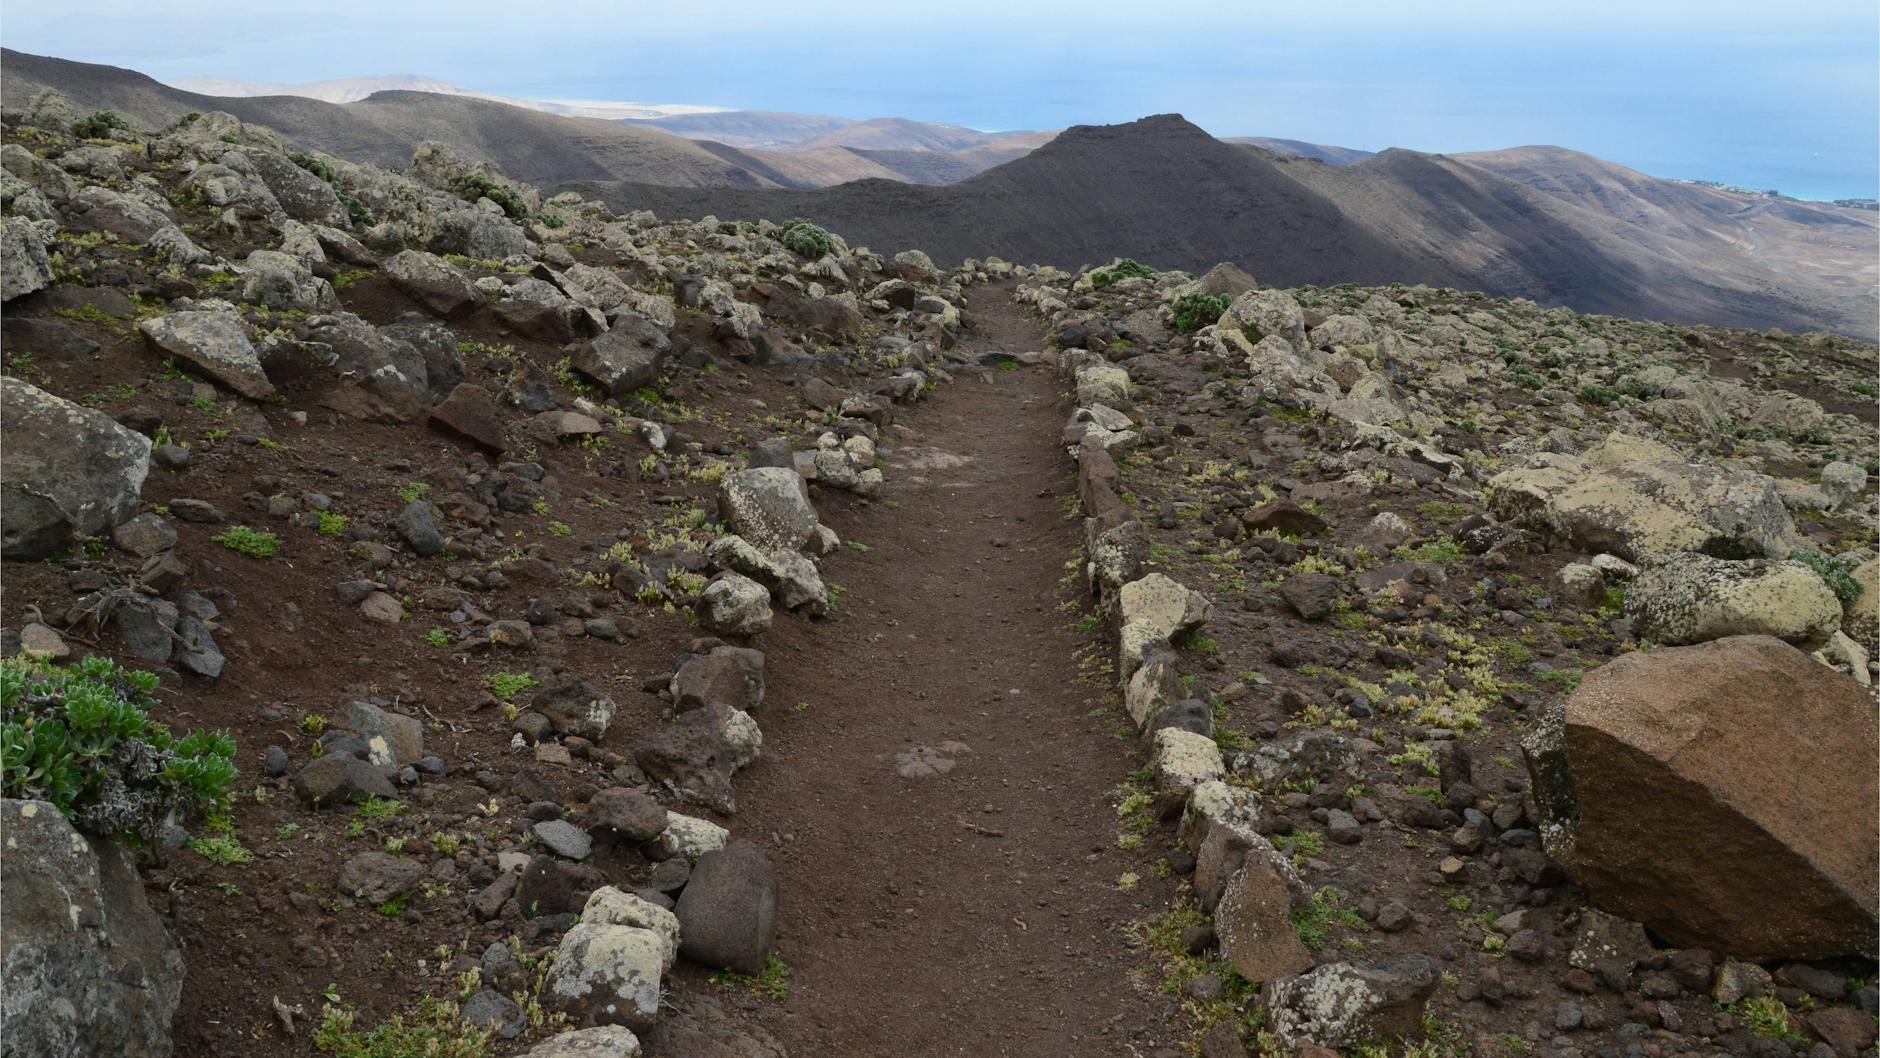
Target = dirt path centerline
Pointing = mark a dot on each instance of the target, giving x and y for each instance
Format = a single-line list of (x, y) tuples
[(937, 804)]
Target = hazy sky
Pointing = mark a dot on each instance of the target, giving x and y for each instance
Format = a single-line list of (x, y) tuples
[(1765, 94)]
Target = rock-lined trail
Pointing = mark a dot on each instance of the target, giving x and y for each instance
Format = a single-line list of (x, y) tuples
[(947, 862)]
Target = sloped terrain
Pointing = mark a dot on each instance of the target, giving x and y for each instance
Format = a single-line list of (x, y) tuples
[(645, 635), (1162, 191)]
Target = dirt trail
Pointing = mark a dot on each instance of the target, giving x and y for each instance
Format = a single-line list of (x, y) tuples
[(972, 910)]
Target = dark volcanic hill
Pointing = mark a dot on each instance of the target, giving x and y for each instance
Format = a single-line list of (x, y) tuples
[(1163, 191), (1158, 189)]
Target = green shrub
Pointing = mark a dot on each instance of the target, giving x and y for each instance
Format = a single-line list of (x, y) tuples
[(355, 209), (432, 1030), (1838, 574), (478, 185), (1127, 268), (1195, 311), (98, 126), (81, 737), (255, 543), (805, 239)]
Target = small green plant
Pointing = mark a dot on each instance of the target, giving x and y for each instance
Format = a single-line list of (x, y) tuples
[(255, 543), (559, 529), (432, 1030), (223, 850), (1316, 919), (1195, 311), (1838, 574), (772, 982), (1441, 549), (413, 491), (506, 685), (99, 126), (286, 831), (805, 239), (330, 524), (436, 637), (1767, 1016), (369, 807), (81, 738)]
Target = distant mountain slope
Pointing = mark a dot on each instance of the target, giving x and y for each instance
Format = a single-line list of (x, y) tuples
[(901, 134), (748, 128), (1159, 189), (1752, 237), (1165, 192), (353, 89), (1302, 149), (382, 129)]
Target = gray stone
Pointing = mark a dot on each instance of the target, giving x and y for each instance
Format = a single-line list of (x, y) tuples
[(64, 471), (432, 282), (1691, 598), (1341, 1005), (376, 877), (86, 966), (574, 707), (417, 525), (563, 838), (215, 343), (601, 1041), (626, 358), (392, 739), (337, 781), (733, 604), (728, 911), (768, 507)]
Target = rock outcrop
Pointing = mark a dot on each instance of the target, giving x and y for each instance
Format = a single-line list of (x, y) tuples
[(1722, 794), (86, 967)]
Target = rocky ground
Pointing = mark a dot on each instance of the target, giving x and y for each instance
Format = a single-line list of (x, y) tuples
[(714, 639)]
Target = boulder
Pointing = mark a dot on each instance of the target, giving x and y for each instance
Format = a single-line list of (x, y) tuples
[(1860, 619), (734, 604), (606, 974), (626, 358), (601, 1041), (625, 814), (336, 781), (725, 675), (215, 343), (375, 877), (692, 762), (728, 911), (432, 282), (24, 266), (1341, 1005), (574, 707), (1607, 500), (768, 507), (65, 471), (86, 966), (1692, 598), (1253, 918), (392, 739), (1682, 787)]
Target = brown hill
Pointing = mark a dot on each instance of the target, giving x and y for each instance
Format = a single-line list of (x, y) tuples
[(383, 128), (1167, 193)]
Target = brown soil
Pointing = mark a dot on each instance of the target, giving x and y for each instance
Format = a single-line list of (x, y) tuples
[(974, 912)]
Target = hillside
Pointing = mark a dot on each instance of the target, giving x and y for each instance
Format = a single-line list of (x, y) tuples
[(435, 628), (1163, 191), (1302, 149), (383, 128), (353, 89)]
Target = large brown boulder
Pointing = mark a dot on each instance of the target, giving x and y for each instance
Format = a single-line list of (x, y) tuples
[(1724, 795)]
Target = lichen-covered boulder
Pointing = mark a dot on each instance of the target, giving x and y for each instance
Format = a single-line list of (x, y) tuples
[(214, 342), (1694, 598), (1341, 1005), (1683, 788), (65, 470), (86, 967), (768, 507), (1636, 498)]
